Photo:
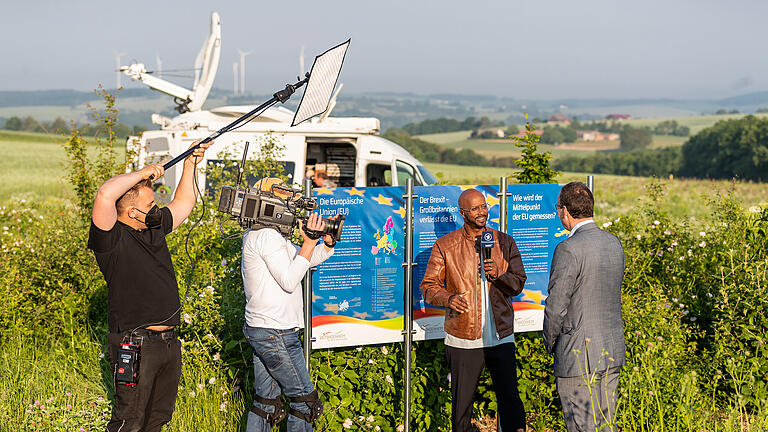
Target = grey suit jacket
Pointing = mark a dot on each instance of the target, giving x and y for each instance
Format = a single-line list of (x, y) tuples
[(583, 310)]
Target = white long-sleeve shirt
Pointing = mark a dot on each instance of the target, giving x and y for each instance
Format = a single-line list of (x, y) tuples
[(272, 272)]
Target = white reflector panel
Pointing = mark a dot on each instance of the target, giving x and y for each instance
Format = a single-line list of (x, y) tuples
[(322, 80)]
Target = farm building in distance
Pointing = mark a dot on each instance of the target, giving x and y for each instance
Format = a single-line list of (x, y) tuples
[(593, 135), (618, 117)]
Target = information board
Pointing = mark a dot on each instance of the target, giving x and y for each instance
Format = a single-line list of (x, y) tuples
[(532, 222), (358, 292)]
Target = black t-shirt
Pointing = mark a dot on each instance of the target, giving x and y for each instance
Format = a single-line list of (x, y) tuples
[(139, 272)]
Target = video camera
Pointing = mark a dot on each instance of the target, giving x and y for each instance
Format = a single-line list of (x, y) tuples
[(255, 209)]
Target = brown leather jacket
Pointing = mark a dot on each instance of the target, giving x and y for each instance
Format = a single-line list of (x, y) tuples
[(453, 268)]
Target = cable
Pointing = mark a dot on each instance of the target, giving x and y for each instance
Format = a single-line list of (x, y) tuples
[(186, 249)]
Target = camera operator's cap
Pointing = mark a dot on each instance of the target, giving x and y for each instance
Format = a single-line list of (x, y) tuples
[(266, 183)]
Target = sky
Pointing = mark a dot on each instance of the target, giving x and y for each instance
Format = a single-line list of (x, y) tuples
[(538, 49)]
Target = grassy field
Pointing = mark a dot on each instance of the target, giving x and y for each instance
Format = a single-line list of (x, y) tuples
[(506, 148), (616, 195), (34, 168), (34, 164), (696, 123)]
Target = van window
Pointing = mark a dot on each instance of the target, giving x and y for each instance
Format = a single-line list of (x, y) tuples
[(378, 175), (337, 157), (404, 172)]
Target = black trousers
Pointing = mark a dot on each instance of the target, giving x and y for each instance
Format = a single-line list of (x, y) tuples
[(466, 366), (149, 405)]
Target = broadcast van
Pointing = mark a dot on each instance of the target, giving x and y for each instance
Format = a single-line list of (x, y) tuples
[(349, 149)]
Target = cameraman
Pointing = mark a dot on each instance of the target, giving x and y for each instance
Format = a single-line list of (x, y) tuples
[(127, 235), (272, 269)]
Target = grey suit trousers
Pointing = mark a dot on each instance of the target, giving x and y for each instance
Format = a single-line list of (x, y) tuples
[(590, 408)]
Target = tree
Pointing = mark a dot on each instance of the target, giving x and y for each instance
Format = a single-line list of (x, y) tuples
[(552, 135), (535, 166), (635, 138), (730, 148), (13, 123)]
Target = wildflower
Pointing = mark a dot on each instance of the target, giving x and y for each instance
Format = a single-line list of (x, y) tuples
[(223, 407), (702, 244), (702, 233), (650, 344), (69, 406), (637, 332), (659, 253), (192, 393), (370, 418), (674, 243), (216, 357), (656, 222), (667, 232), (400, 428), (690, 252), (200, 386), (347, 423), (212, 380), (686, 312), (37, 403), (638, 237), (617, 219), (636, 369), (693, 319), (99, 399), (69, 394), (659, 338), (389, 379), (674, 299), (607, 224), (359, 349), (187, 319), (384, 350), (223, 262), (378, 428), (370, 361), (693, 373)]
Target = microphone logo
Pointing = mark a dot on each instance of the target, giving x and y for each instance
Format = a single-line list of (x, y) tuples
[(486, 243)]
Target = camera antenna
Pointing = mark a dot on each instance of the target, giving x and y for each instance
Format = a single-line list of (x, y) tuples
[(320, 81), (242, 165)]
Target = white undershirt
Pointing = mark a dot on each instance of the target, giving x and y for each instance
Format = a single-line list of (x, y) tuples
[(490, 337)]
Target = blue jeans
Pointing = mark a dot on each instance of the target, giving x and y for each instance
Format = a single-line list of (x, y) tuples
[(278, 365)]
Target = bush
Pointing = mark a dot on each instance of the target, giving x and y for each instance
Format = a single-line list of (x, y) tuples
[(635, 138)]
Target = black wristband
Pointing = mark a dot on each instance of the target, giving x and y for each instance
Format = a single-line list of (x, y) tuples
[(329, 245)]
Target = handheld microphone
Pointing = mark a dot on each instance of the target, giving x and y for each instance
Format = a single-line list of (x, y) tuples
[(486, 243)]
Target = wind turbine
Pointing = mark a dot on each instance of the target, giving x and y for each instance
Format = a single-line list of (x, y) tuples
[(234, 80), (159, 68), (242, 70), (301, 61), (118, 56)]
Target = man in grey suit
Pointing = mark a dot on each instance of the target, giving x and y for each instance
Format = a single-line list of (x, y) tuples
[(582, 317)]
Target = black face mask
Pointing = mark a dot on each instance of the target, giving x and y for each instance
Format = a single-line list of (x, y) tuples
[(153, 218)]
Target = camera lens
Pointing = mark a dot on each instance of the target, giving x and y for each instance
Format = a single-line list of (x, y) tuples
[(333, 227)]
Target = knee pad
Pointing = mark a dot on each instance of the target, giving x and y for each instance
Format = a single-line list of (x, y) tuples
[(271, 417), (315, 407)]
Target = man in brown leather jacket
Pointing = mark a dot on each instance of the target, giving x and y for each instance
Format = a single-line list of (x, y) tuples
[(479, 319)]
